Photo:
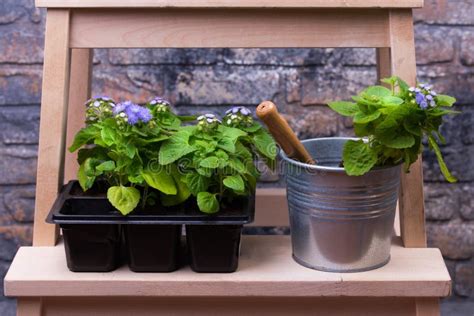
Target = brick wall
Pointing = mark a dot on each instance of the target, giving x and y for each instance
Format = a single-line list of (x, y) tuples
[(299, 81)]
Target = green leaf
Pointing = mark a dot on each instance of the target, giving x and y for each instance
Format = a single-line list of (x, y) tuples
[(160, 179), (83, 137), (252, 128), (85, 181), (231, 132), (108, 165), (183, 191), (109, 135), (445, 100), (364, 118), (234, 182), (377, 91), (392, 100), (358, 157), (197, 183), (210, 162), (390, 134), (237, 165), (176, 147), (265, 143), (442, 165), (124, 199), (207, 202), (90, 167), (344, 108)]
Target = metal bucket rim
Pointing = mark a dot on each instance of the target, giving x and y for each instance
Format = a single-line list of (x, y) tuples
[(327, 168)]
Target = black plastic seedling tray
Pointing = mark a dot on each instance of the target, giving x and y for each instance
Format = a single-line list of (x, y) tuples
[(76, 207)]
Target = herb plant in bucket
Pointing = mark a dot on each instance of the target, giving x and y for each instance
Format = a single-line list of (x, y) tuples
[(393, 122)]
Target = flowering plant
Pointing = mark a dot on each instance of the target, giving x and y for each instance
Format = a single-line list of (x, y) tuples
[(120, 145), (144, 153), (216, 158), (393, 123)]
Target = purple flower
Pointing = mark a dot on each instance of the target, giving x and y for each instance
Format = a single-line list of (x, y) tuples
[(160, 100), (133, 112), (121, 107), (239, 109)]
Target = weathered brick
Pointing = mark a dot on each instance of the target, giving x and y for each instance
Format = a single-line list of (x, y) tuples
[(358, 56), (464, 285), (315, 121), (442, 200), (20, 203), (459, 160), (292, 87), (321, 85), (12, 237), (20, 85), (455, 239), (18, 164), (467, 201), (19, 45), (451, 12), (234, 85), (164, 56), (20, 124), (278, 56), (467, 48), (434, 44)]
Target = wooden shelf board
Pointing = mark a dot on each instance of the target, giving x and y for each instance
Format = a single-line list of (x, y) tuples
[(266, 270), (229, 4)]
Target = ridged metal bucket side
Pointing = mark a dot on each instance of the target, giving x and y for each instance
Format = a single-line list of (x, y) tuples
[(338, 222)]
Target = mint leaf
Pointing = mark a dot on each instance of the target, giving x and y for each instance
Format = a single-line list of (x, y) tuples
[(109, 135), (160, 179), (358, 157), (377, 91), (445, 100), (234, 182), (389, 134), (442, 165), (207, 202), (86, 182), (363, 118), (392, 100), (197, 183), (182, 193), (344, 108), (124, 199)]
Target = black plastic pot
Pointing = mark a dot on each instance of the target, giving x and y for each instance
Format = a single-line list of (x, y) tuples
[(153, 248), (92, 233), (213, 248)]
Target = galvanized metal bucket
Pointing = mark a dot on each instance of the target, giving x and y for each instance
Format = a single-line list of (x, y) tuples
[(339, 223)]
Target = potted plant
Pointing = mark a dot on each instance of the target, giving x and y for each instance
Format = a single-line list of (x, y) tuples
[(217, 164), (118, 149), (342, 209)]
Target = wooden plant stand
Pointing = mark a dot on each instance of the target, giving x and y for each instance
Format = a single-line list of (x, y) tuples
[(268, 280)]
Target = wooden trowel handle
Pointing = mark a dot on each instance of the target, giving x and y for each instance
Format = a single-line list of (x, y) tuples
[(282, 132)]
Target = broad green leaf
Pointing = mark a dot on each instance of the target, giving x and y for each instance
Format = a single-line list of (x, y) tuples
[(234, 182), (83, 137), (363, 118), (90, 167), (442, 165), (183, 191), (227, 144), (85, 181), (392, 100), (237, 165), (252, 128), (377, 91), (358, 157), (124, 199), (197, 183), (207, 202), (210, 162), (176, 147), (445, 100), (96, 152), (344, 108), (108, 165), (231, 132), (160, 179), (109, 135), (412, 126), (391, 135), (265, 143)]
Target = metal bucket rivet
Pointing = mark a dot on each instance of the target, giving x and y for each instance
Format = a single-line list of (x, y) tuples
[(339, 223)]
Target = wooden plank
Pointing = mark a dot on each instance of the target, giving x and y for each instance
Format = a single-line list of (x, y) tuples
[(427, 307), (52, 124), (29, 306), (271, 208), (266, 269), (199, 306), (412, 214), (94, 28), (229, 4), (384, 64), (79, 92)]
